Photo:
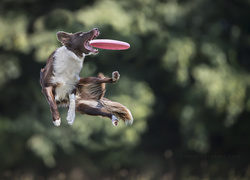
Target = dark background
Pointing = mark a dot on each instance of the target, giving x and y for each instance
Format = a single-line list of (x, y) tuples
[(185, 79)]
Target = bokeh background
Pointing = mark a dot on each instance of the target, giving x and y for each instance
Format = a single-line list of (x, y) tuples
[(185, 79)]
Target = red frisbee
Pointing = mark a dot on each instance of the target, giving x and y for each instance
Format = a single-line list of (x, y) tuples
[(109, 44)]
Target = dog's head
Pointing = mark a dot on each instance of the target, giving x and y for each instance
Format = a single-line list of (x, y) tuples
[(79, 41)]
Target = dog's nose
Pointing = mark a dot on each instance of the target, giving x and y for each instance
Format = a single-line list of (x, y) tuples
[(95, 29)]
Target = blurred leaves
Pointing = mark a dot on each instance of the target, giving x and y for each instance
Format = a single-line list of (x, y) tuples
[(13, 36), (9, 68), (43, 148), (224, 89), (179, 53), (116, 16), (185, 80)]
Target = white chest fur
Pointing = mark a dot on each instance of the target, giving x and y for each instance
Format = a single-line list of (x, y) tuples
[(67, 67)]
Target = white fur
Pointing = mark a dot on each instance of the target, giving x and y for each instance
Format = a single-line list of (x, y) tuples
[(91, 103), (67, 67), (57, 122), (113, 76), (71, 111), (129, 122), (114, 120)]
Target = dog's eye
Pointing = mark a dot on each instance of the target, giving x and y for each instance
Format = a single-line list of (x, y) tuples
[(81, 34)]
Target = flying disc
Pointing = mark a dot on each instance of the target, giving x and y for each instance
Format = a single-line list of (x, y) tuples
[(109, 44)]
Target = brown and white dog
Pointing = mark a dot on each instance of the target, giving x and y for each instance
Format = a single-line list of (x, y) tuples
[(90, 99), (61, 74)]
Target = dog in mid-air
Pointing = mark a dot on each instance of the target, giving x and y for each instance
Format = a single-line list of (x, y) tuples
[(90, 99), (61, 74)]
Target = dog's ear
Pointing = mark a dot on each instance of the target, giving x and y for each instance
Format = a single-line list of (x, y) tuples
[(63, 37)]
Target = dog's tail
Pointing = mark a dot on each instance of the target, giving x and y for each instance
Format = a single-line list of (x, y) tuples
[(118, 110)]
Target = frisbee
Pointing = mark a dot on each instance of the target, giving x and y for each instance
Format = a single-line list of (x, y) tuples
[(109, 44)]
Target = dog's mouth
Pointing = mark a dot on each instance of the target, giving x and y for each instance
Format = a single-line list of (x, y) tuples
[(87, 42)]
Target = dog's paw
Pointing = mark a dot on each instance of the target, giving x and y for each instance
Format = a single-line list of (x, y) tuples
[(57, 122), (114, 120), (115, 76)]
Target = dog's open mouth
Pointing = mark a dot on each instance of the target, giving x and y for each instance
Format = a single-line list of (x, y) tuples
[(87, 44)]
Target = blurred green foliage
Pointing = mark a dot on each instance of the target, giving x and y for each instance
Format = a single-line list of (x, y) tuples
[(185, 79)]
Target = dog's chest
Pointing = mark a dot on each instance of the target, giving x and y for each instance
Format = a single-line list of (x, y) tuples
[(67, 67)]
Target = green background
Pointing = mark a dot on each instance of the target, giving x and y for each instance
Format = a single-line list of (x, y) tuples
[(185, 79)]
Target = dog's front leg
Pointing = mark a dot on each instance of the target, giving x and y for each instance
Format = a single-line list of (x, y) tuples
[(47, 91), (71, 111)]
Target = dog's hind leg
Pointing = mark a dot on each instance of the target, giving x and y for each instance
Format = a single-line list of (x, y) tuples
[(114, 120), (47, 91), (71, 111), (86, 109)]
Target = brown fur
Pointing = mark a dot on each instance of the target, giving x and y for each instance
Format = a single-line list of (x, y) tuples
[(90, 99)]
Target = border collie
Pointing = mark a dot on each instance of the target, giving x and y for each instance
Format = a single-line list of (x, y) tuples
[(90, 99), (61, 74)]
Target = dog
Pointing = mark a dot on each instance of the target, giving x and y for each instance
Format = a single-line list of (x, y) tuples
[(60, 75), (90, 99)]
